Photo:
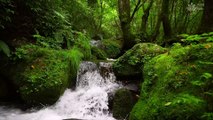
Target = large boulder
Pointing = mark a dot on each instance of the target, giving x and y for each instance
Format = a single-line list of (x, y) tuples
[(122, 104), (177, 85), (130, 64), (40, 74)]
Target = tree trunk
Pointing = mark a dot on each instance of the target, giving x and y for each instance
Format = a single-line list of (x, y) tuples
[(207, 19), (101, 16), (157, 26), (124, 16), (165, 19), (145, 17)]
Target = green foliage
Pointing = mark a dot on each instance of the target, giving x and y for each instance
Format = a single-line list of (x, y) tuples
[(25, 18), (79, 15), (195, 39), (187, 99), (105, 14), (65, 37), (184, 102), (75, 57), (4, 47), (48, 42), (98, 53), (69, 38), (7, 10), (207, 76), (198, 83), (207, 116), (82, 42), (111, 47), (48, 15), (52, 22), (59, 38), (185, 15)]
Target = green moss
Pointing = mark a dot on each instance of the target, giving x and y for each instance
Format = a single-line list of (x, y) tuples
[(131, 63), (46, 73), (122, 104), (177, 85)]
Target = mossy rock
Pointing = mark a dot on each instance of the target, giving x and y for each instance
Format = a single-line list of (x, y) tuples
[(177, 85), (130, 64), (122, 104), (41, 74)]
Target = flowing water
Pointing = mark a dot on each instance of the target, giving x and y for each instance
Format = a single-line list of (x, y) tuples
[(89, 101)]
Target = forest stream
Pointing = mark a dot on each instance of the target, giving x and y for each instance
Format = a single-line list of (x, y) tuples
[(88, 101)]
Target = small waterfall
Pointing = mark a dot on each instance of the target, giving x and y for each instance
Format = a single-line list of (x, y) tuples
[(89, 101)]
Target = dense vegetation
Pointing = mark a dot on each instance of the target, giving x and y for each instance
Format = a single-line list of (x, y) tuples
[(164, 44)]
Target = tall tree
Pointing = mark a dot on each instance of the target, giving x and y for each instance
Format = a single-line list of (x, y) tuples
[(124, 16), (145, 17), (156, 30), (207, 19), (165, 19)]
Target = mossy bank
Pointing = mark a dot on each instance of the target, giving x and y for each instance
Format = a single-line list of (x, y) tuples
[(177, 85)]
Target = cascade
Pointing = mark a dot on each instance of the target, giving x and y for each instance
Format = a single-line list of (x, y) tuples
[(88, 101)]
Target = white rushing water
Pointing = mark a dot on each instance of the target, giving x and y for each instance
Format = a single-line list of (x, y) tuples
[(89, 101)]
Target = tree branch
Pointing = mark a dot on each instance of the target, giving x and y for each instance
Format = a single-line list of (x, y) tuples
[(137, 7)]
